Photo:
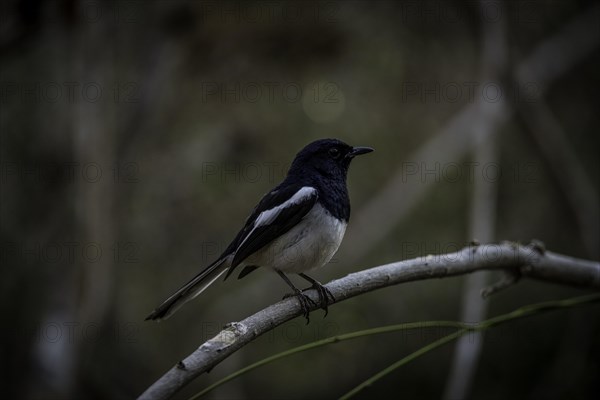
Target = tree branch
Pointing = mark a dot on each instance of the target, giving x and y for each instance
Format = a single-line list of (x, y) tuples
[(529, 261)]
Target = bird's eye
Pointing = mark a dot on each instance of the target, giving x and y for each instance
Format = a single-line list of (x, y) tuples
[(334, 153)]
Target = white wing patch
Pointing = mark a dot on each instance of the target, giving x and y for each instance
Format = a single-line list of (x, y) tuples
[(268, 216)]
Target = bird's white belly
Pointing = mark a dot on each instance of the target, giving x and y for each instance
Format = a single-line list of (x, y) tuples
[(310, 244)]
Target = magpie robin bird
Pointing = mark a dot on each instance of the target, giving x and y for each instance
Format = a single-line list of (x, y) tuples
[(296, 227)]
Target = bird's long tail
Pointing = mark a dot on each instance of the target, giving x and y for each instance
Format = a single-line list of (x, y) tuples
[(190, 290)]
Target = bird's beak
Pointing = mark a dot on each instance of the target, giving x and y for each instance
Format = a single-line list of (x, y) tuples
[(356, 151)]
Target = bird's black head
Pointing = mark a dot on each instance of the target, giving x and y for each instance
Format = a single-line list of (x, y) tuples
[(330, 158)]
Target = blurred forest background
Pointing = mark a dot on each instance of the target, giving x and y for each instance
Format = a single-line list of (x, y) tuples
[(136, 136)]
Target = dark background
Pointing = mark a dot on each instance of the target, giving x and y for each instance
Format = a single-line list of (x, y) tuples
[(136, 137)]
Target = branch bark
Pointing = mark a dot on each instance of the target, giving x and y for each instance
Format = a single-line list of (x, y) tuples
[(531, 261)]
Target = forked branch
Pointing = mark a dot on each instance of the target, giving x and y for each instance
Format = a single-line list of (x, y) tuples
[(527, 262)]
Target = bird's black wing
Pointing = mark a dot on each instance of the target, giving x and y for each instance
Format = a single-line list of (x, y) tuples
[(278, 212)]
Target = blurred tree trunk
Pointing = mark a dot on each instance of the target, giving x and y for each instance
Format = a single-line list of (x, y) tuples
[(482, 224), (80, 299)]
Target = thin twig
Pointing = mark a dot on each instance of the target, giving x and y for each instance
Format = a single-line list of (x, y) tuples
[(490, 323), (509, 278)]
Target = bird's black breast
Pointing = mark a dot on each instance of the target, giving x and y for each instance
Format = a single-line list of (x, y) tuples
[(333, 196)]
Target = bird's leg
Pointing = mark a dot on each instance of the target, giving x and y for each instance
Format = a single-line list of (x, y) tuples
[(305, 301), (324, 293)]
